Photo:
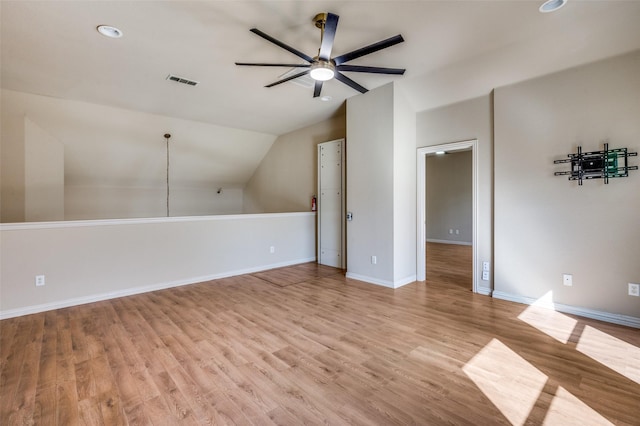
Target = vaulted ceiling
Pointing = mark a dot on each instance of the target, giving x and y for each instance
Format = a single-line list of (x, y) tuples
[(454, 50)]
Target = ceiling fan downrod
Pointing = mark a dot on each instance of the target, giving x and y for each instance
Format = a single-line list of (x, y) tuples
[(320, 20)]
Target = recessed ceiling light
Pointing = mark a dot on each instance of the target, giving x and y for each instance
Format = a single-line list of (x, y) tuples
[(552, 5), (325, 98), (440, 152), (109, 31)]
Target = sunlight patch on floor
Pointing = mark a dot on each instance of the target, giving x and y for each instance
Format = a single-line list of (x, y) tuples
[(567, 410), (541, 315), (509, 381), (618, 355)]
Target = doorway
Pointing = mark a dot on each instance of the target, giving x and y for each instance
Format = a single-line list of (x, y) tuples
[(451, 232)]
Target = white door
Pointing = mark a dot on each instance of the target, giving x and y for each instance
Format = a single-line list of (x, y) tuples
[(330, 203)]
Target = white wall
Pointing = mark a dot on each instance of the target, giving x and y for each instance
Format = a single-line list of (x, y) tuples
[(545, 225), (122, 155), (370, 185), (109, 202), (468, 120), (449, 197), (43, 175), (95, 260), (404, 190), (12, 150), (287, 177), (381, 188)]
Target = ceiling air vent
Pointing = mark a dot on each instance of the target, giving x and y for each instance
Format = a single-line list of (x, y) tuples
[(182, 80)]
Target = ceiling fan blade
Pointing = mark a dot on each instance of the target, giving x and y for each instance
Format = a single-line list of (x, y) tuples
[(258, 64), (346, 80), (317, 89), (375, 70), (281, 44), (284, 80), (329, 35), (339, 60)]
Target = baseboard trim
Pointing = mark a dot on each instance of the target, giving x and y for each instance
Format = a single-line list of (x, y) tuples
[(485, 291), (369, 280), (620, 319), (384, 283), (35, 309), (404, 281), (460, 243)]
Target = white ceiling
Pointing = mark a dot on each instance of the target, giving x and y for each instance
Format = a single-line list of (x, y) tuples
[(454, 50)]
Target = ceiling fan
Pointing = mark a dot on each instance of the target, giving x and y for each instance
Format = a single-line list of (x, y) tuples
[(323, 67)]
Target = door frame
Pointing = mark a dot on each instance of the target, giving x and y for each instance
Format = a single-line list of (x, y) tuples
[(421, 261)]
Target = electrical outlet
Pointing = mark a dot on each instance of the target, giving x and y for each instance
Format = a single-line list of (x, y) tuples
[(457, 232), (272, 249), (39, 280), (485, 266), (485, 275), (567, 279), (450, 231), (634, 289), (374, 260)]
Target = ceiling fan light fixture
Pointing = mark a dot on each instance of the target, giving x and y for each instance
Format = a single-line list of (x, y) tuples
[(324, 67), (552, 5), (322, 71)]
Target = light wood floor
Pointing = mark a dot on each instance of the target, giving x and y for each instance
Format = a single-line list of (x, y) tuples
[(305, 345), (450, 263)]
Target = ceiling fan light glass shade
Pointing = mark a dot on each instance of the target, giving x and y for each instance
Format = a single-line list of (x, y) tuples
[(322, 71), (552, 5)]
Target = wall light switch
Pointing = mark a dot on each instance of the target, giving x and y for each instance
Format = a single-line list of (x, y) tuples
[(272, 249)]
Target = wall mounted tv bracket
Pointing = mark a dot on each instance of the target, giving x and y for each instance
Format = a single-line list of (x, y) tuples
[(605, 164)]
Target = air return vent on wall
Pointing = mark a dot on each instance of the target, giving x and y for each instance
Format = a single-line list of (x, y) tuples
[(182, 80)]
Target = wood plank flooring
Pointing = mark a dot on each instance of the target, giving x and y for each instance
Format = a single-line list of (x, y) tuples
[(450, 263), (305, 345)]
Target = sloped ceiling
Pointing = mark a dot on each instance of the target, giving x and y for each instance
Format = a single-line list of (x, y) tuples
[(453, 50)]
